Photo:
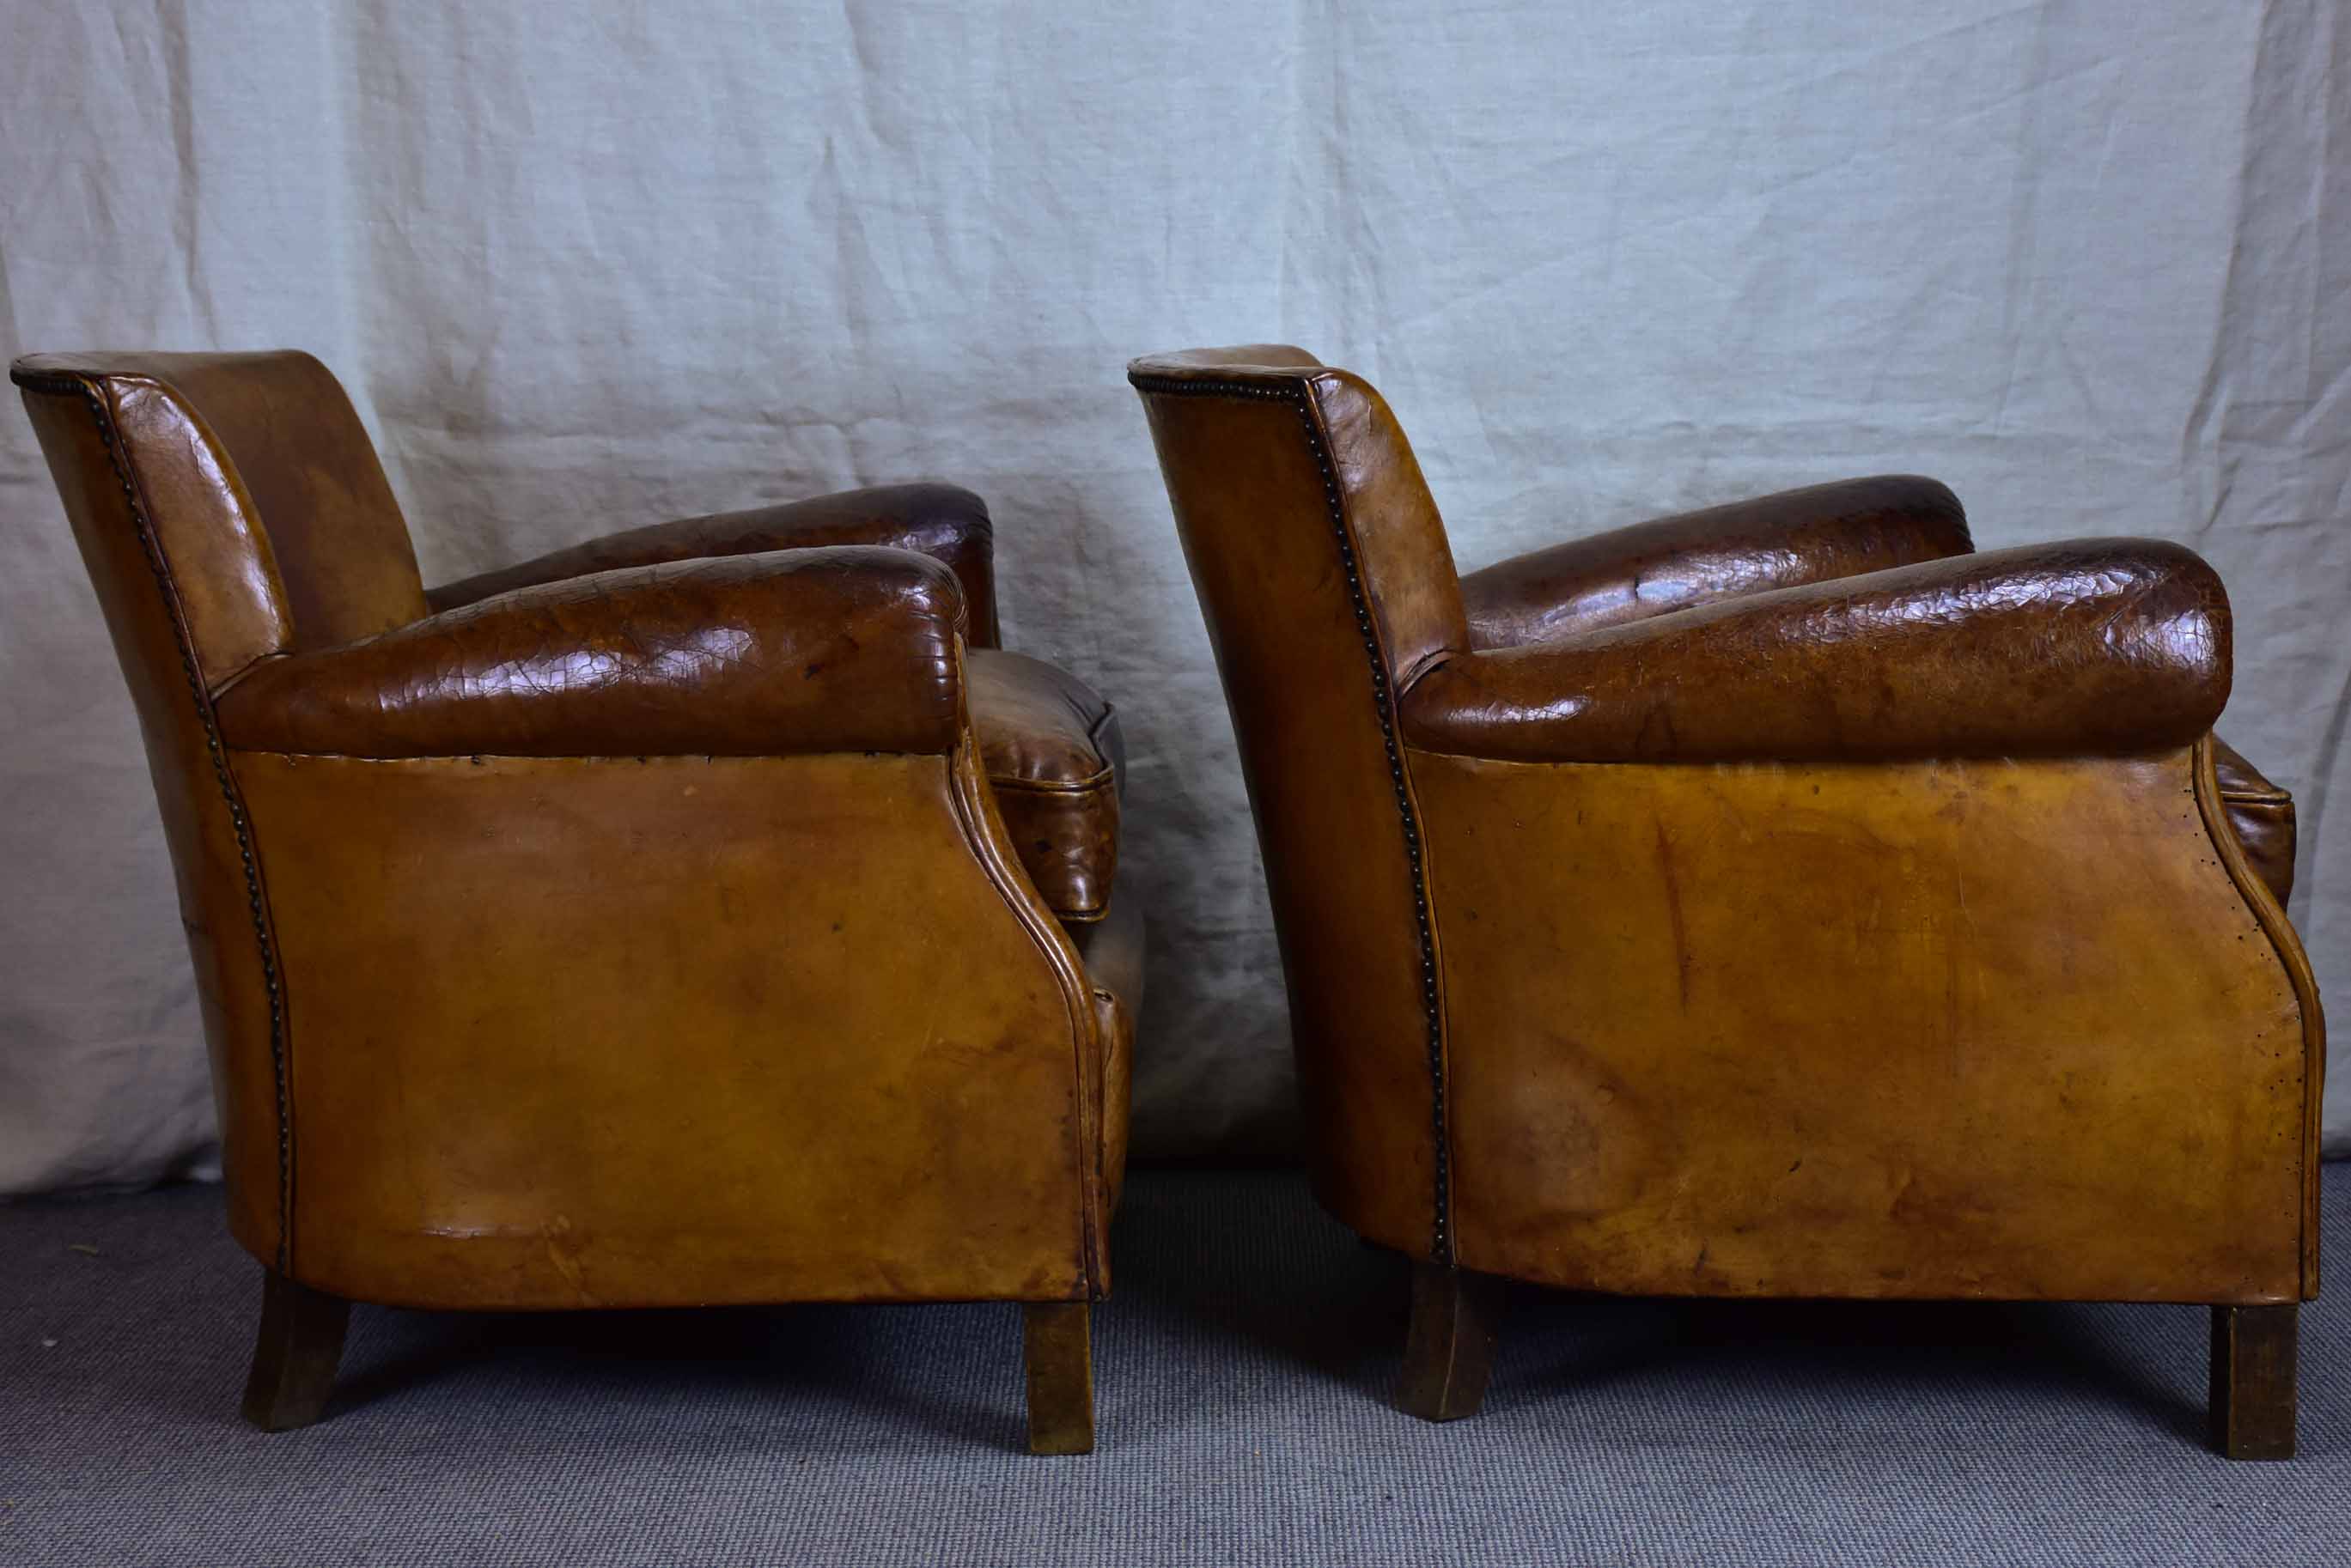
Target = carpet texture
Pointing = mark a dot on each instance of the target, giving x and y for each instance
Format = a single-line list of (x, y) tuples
[(1243, 1371)]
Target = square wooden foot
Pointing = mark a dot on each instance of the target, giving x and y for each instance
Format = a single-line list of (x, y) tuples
[(295, 1357), (1450, 1348), (2254, 1350), (1058, 1343)]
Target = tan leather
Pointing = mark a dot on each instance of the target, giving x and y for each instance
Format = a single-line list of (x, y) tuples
[(165, 639), (304, 472), (1924, 1028), (646, 939), (2261, 816), (1780, 540), (1113, 949), (1052, 751), (848, 649), (941, 521), (819, 1097), (1308, 675), (1896, 943), (2083, 649)]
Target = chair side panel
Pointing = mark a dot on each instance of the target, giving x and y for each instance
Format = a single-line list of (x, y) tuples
[(2001, 1029), (622, 1032)]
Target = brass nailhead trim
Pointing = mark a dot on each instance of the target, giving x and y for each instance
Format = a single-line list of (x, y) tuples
[(1383, 703), (73, 385)]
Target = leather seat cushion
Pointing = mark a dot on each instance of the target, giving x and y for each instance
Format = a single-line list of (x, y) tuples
[(1053, 752), (2262, 815)]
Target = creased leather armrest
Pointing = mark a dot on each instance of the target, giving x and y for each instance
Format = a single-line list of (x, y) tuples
[(2089, 648), (942, 521), (849, 650), (1676, 563)]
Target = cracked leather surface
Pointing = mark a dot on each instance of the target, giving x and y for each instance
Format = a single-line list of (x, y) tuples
[(942, 521), (844, 650), (2078, 648), (1797, 536)]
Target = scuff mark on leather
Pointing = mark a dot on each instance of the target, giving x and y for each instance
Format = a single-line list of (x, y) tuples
[(1674, 913)]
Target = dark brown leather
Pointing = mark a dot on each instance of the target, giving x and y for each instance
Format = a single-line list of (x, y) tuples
[(849, 650), (941, 521), (2086, 648), (1050, 747), (1996, 1024), (1797, 536), (651, 1025), (2262, 814)]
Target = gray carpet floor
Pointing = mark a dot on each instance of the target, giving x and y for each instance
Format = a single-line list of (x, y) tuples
[(1243, 1371)]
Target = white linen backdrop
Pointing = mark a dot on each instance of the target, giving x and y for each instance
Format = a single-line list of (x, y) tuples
[(586, 264)]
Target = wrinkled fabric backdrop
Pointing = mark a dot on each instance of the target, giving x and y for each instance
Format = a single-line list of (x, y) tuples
[(590, 264)]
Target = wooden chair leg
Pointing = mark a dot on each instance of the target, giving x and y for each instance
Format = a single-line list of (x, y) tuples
[(1450, 1348), (1058, 1343), (2254, 1350), (294, 1361)]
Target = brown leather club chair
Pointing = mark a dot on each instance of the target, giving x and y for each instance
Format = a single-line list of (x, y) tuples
[(1775, 900), (708, 914)]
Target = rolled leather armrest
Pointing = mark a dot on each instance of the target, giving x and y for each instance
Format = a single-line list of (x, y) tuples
[(2088, 647), (849, 650), (942, 521), (1675, 563)]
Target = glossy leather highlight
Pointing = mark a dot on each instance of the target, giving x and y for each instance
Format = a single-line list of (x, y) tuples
[(942, 521), (2083, 648), (1782, 541), (844, 650)]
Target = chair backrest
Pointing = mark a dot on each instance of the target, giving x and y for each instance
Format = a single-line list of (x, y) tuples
[(1325, 575), (229, 507)]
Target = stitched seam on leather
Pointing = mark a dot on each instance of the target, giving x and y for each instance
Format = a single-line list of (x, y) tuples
[(152, 549), (1384, 705)]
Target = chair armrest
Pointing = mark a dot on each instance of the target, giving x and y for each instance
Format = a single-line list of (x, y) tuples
[(1695, 557), (2090, 647), (850, 650), (941, 521)]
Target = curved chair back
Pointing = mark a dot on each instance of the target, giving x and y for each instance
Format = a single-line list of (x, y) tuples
[(1323, 569), (230, 507)]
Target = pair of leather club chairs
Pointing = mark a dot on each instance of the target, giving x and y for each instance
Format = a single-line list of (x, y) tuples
[(1779, 900)]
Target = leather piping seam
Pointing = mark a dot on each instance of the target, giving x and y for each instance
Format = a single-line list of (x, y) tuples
[(152, 547), (968, 791), (2270, 917), (1301, 401)]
